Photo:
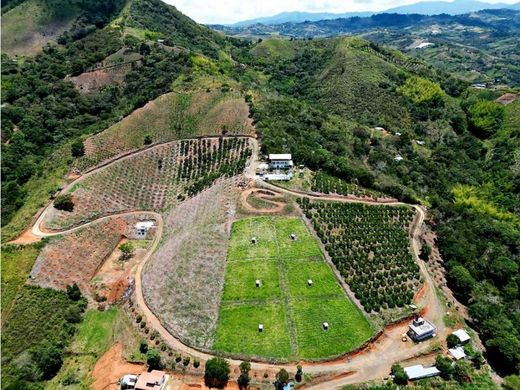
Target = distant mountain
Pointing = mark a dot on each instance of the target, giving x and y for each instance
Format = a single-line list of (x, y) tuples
[(424, 8)]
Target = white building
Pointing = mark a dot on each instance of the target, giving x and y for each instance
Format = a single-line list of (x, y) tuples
[(420, 372), (142, 228), (280, 161), (462, 335), (457, 353)]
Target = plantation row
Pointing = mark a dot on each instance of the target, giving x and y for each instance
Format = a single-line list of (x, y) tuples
[(326, 184), (369, 246), (156, 179)]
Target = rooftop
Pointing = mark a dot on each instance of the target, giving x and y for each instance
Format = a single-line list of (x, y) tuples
[(150, 380), (144, 224), (462, 335), (286, 156), (457, 353), (418, 372), (421, 326)]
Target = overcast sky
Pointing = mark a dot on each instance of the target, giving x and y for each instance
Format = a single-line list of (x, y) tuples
[(230, 11)]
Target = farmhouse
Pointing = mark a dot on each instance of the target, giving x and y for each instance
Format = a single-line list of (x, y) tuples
[(420, 329), (142, 228), (280, 161), (420, 372), (462, 335), (155, 380)]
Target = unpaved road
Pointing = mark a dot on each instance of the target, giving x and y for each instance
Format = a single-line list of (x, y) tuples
[(371, 364)]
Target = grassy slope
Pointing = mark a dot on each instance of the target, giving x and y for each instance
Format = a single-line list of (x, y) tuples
[(169, 117), (17, 262), (291, 312), (29, 26)]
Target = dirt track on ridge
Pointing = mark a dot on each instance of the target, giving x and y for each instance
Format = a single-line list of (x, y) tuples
[(372, 363)]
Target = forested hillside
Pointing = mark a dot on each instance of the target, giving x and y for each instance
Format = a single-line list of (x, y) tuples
[(347, 107)]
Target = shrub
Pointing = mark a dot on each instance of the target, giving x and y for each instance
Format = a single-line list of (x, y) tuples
[(443, 364), (73, 292), (282, 378), (186, 361), (153, 359), (143, 324), (64, 202), (48, 359), (196, 363), (399, 374), (244, 379), (127, 250), (216, 373), (143, 346), (147, 139), (77, 148), (452, 340), (178, 357)]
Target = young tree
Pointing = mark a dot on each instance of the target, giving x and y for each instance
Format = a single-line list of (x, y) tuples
[(400, 376), (444, 365), (243, 379), (64, 202), (452, 340), (216, 374), (127, 250), (299, 373), (426, 251), (148, 139), (153, 359), (77, 148), (282, 378), (143, 346), (73, 292)]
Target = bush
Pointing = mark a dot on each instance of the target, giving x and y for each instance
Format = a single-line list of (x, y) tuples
[(153, 359), (77, 148), (178, 357), (186, 361), (217, 373), (64, 202), (139, 318), (73, 292), (399, 374), (143, 346), (244, 379), (148, 139), (282, 378), (443, 364), (48, 359), (486, 117), (127, 250), (196, 363), (452, 340)]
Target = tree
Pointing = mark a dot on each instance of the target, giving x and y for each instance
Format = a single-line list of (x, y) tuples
[(511, 382), (452, 340), (148, 139), (426, 251), (73, 292), (486, 117), (64, 202), (299, 373), (77, 148), (462, 372), (282, 378), (143, 346), (217, 372), (399, 374), (444, 365), (48, 359), (243, 379), (127, 250), (153, 359)]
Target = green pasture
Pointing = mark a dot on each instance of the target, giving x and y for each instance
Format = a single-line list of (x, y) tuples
[(291, 311)]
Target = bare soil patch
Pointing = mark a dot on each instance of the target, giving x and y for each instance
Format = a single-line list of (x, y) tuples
[(261, 201)]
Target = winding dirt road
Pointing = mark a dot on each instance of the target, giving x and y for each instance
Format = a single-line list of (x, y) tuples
[(371, 364)]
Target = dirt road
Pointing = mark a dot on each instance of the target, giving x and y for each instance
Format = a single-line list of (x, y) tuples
[(373, 363)]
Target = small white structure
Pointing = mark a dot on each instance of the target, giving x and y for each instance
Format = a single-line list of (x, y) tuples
[(260, 327), (457, 353), (419, 142), (280, 161), (325, 325), (253, 240), (462, 335), (419, 372), (257, 282), (309, 282), (278, 176), (424, 45), (398, 134), (293, 236), (398, 158), (128, 381), (141, 228)]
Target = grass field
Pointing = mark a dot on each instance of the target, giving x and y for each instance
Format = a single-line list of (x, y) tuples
[(291, 311)]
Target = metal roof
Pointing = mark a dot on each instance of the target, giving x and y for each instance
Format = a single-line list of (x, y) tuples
[(286, 156), (418, 372), (457, 352), (462, 335)]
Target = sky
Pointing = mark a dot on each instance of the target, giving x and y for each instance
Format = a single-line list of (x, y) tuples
[(231, 11)]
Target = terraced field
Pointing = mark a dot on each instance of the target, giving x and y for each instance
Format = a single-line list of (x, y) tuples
[(171, 117), (156, 179), (292, 311), (370, 247)]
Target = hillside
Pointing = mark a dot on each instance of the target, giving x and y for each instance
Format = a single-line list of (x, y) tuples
[(478, 47), (357, 113)]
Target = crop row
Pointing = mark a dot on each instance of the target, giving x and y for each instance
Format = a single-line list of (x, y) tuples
[(326, 184), (370, 247)]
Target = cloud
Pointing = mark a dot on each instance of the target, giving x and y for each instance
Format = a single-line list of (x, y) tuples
[(230, 11)]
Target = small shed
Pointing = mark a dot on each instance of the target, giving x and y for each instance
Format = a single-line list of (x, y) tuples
[(420, 372), (142, 228), (462, 335), (457, 353)]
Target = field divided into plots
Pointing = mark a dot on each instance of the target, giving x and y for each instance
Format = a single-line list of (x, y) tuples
[(370, 247), (156, 179), (291, 311)]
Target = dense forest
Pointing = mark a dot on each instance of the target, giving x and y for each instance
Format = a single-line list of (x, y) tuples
[(319, 99)]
